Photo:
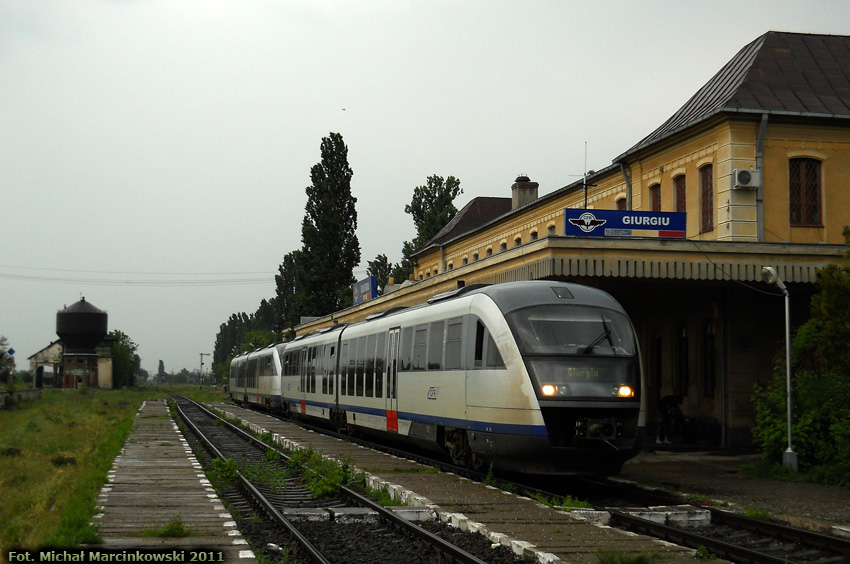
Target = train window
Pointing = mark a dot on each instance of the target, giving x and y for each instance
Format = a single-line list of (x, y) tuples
[(343, 367), (352, 364), (323, 367), (370, 366), (494, 359), (435, 345), (361, 364), (379, 364), (479, 344), (406, 342), (454, 334), (420, 344)]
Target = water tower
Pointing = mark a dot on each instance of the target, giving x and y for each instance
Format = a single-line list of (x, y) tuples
[(82, 327)]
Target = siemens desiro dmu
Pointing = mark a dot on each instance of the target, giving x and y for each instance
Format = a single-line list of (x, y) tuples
[(534, 377)]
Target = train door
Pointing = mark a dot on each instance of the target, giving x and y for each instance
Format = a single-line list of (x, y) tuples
[(392, 378)]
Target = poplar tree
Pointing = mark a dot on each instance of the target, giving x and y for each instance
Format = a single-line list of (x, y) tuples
[(330, 251)]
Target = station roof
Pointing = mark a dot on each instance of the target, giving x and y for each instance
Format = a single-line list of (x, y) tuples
[(779, 73)]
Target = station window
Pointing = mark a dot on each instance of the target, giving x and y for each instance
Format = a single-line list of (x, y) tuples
[(679, 188), (655, 198), (517, 241), (534, 235), (621, 204), (805, 191), (706, 190)]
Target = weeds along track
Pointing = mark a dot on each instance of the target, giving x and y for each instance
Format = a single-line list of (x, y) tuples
[(287, 521)]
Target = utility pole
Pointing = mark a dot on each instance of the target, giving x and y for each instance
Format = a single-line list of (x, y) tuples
[(201, 375)]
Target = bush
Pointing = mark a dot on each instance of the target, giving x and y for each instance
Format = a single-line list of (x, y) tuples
[(820, 387)]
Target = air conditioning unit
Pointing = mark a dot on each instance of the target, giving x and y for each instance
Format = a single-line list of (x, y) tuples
[(746, 179)]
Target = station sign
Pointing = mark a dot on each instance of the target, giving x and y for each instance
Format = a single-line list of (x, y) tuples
[(365, 290), (620, 223)]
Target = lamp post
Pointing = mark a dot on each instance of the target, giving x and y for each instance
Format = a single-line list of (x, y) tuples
[(201, 375), (769, 275)]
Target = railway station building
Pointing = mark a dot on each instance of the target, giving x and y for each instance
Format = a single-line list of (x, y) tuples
[(753, 171)]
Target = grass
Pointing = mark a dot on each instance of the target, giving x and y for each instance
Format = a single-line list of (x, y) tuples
[(55, 453), (173, 529), (615, 556)]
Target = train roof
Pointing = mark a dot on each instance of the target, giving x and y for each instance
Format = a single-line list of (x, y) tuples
[(511, 296)]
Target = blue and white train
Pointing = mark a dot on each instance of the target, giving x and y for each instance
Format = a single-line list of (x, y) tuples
[(535, 377)]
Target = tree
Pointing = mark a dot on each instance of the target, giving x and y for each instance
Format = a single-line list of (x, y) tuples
[(381, 269), (820, 385), (7, 361), (330, 249), (286, 290), (431, 208), (125, 361)]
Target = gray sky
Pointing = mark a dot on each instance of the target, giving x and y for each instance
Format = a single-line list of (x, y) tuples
[(153, 150)]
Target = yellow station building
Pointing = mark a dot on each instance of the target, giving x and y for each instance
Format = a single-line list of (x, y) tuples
[(758, 161)]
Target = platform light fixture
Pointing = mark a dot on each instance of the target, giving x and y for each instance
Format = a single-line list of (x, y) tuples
[(769, 275)]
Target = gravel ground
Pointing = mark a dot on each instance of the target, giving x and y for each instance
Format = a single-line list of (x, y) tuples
[(715, 474)]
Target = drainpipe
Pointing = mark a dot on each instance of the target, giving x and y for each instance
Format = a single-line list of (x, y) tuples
[(625, 172), (442, 259), (760, 168)]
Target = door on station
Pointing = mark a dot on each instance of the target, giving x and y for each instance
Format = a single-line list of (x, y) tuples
[(392, 378)]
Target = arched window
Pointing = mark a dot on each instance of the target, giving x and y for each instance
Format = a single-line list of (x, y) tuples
[(682, 360), (503, 246), (655, 198), (551, 230), (708, 376), (706, 190), (805, 191), (517, 241), (465, 260), (621, 204), (679, 188), (475, 256), (534, 235)]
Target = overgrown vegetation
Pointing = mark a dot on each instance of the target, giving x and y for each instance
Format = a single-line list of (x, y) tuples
[(820, 388), (55, 453), (173, 529), (616, 556), (322, 476)]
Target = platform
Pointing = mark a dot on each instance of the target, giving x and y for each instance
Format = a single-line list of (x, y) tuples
[(156, 480)]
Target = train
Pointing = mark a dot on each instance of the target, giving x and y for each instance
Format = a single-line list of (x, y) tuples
[(532, 377)]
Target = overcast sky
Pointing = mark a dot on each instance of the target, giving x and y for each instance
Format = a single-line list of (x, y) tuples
[(155, 152)]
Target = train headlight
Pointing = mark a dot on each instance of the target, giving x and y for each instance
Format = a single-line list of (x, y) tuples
[(624, 391), (549, 389)]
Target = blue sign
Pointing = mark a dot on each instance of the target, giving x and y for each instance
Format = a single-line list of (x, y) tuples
[(617, 223), (365, 290)]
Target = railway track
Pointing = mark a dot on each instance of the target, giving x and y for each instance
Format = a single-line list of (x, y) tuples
[(348, 527), (724, 534)]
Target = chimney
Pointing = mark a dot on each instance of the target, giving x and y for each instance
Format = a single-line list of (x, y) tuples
[(523, 191)]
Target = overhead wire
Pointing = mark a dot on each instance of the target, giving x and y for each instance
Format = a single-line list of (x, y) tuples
[(138, 278)]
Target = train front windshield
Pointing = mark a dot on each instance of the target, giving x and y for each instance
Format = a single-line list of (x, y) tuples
[(578, 352)]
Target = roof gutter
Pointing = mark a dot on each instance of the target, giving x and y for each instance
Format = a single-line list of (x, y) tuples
[(625, 172)]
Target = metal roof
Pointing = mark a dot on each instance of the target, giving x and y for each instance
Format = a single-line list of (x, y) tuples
[(778, 73)]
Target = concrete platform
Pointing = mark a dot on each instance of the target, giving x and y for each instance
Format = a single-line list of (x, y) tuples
[(530, 528), (156, 479)]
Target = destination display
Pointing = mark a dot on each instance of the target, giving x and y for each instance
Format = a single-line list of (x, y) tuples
[(617, 223)]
